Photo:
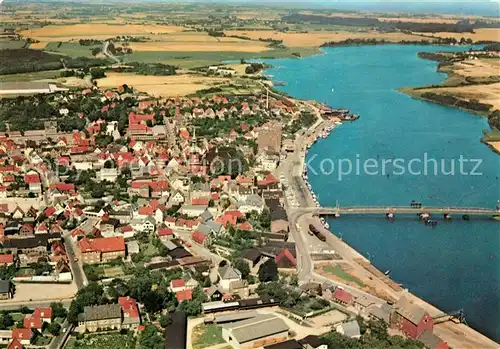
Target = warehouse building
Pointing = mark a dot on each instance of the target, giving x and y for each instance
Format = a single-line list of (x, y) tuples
[(259, 331)]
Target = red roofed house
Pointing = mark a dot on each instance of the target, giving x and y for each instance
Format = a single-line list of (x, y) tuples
[(49, 211), (200, 238), (23, 335), (235, 213), (177, 285), (246, 226), (63, 187), (411, 319), (285, 259), (165, 234), (32, 322), (227, 220), (15, 344), (6, 259), (34, 182), (131, 315), (101, 249), (45, 314), (200, 202), (342, 297), (185, 295)]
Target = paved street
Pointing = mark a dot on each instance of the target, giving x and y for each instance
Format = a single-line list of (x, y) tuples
[(76, 267)]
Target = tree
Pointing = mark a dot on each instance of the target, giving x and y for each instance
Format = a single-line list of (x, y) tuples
[(58, 310), (165, 320), (7, 321), (242, 266), (54, 328), (152, 301), (149, 338), (97, 73), (268, 271), (93, 294)]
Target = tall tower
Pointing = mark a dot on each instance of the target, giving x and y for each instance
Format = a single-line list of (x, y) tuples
[(267, 98)]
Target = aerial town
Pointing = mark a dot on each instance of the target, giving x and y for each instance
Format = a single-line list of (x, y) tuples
[(172, 216), (163, 179)]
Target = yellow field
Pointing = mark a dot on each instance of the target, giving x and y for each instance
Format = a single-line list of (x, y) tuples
[(263, 16), (495, 145), (418, 20), (39, 45), (483, 93), (95, 31), (317, 38), (478, 68), (483, 34), (162, 86), (200, 46)]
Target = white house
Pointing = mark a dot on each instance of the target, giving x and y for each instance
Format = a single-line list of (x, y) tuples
[(177, 198), (253, 202), (108, 174), (268, 162), (349, 329), (148, 225), (193, 211), (227, 275)]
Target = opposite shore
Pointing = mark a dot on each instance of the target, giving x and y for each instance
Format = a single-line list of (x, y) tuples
[(470, 86)]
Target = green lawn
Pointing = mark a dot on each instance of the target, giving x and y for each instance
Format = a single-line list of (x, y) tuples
[(108, 341), (149, 250), (17, 316), (206, 335), (491, 136), (42, 340), (71, 49), (338, 271)]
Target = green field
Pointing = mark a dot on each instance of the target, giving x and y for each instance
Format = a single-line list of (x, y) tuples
[(207, 335), (199, 59), (339, 272), (71, 49), (41, 75), (5, 44)]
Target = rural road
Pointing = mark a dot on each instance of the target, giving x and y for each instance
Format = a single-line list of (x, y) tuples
[(108, 54)]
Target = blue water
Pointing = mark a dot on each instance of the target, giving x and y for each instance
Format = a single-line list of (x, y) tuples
[(455, 265)]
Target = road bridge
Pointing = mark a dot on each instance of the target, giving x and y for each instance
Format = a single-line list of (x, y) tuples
[(380, 210)]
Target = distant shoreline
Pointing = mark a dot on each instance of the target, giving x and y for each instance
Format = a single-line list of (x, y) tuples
[(490, 137)]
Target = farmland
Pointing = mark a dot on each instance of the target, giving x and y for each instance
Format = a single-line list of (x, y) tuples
[(165, 86), (94, 31), (198, 35), (483, 34), (317, 38)]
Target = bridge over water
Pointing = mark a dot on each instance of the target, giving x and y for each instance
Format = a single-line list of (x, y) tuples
[(379, 210)]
